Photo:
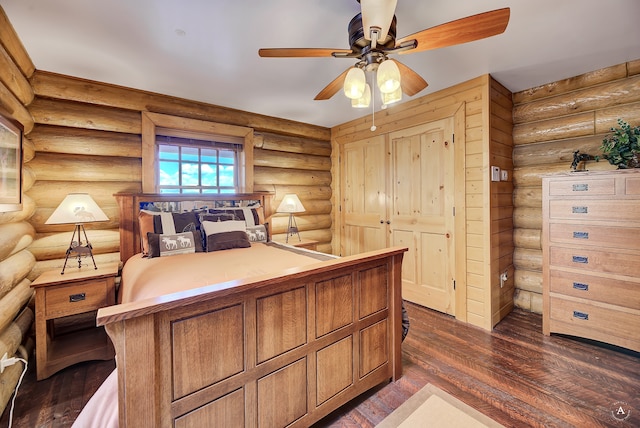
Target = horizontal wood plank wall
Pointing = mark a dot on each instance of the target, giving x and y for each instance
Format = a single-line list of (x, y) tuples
[(551, 122), (486, 129), (16, 233)]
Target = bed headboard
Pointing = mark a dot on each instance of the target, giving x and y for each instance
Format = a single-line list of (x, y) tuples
[(130, 203)]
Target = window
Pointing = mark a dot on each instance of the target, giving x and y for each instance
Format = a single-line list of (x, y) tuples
[(196, 166), (181, 155)]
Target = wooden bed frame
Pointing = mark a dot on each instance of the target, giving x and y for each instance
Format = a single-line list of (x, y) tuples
[(277, 350)]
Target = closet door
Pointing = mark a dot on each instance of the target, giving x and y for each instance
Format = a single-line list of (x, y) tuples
[(421, 214), (364, 196)]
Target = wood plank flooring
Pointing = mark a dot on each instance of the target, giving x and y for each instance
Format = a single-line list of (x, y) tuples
[(513, 374)]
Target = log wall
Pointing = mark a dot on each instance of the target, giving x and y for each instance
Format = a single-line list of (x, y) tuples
[(551, 122), (16, 233)]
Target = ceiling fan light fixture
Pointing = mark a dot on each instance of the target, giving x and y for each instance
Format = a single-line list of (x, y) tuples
[(365, 100), (391, 97), (354, 83), (388, 77)]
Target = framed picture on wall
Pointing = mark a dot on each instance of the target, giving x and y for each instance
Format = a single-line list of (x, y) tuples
[(10, 165)]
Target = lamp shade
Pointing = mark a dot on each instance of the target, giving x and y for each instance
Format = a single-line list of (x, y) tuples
[(363, 101), (391, 97), (77, 208), (388, 76), (290, 204), (354, 83)]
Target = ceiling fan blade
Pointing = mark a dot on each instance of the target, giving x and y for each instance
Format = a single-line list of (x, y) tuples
[(460, 31), (332, 88), (410, 81), (299, 52), (377, 13)]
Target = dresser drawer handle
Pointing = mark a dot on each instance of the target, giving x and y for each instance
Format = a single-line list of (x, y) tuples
[(582, 187), (77, 297), (580, 235), (579, 210), (580, 259), (581, 315), (580, 286)]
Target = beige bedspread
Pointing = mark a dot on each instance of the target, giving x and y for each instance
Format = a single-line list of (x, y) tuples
[(143, 278)]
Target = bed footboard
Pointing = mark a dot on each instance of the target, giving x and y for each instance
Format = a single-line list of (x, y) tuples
[(271, 351)]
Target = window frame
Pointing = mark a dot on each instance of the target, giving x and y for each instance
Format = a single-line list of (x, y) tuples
[(154, 124)]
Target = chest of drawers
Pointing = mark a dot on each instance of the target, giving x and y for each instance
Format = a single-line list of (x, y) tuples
[(591, 256)]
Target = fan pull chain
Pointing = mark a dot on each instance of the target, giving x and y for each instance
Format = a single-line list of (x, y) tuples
[(373, 108)]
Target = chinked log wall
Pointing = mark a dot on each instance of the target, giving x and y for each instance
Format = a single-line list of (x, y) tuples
[(87, 138), (550, 123), (83, 136), (16, 233)]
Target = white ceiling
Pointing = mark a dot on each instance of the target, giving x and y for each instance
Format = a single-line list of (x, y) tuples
[(207, 50)]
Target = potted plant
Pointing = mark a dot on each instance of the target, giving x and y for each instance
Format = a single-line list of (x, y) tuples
[(622, 147)]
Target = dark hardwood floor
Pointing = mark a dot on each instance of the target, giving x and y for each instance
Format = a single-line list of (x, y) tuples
[(513, 374)]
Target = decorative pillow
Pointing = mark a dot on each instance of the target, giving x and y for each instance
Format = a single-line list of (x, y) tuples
[(145, 225), (217, 217), (161, 245), (225, 235), (171, 223), (251, 215), (257, 233)]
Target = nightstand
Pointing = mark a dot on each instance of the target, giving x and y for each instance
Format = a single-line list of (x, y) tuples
[(65, 317), (309, 244)]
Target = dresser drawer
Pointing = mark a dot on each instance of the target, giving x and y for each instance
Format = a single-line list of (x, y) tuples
[(578, 210), (583, 187), (607, 290), (75, 299), (606, 324), (594, 260), (624, 238)]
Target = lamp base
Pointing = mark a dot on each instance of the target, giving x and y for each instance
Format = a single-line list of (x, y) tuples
[(292, 228), (79, 250)]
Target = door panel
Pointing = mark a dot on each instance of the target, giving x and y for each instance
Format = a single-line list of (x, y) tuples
[(422, 167), (364, 196)]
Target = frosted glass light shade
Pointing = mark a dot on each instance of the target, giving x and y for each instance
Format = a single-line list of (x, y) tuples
[(391, 97), (388, 77), (77, 208), (363, 101), (354, 83), (290, 204)]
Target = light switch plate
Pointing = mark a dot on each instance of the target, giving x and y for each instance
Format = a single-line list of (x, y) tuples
[(495, 173), (504, 175)]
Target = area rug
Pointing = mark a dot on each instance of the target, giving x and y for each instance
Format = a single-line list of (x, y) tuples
[(432, 407)]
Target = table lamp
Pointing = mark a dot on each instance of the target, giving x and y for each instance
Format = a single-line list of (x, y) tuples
[(78, 209), (291, 204)]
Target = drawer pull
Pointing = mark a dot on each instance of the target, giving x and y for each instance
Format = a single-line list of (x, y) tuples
[(583, 187), (580, 235), (77, 297), (581, 286), (579, 210), (580, 259), (581, 315)]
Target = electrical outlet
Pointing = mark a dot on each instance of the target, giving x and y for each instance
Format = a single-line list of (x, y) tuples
[(495, 173), (503, 278)]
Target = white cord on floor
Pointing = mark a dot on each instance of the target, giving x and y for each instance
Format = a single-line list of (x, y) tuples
[(13, 400)]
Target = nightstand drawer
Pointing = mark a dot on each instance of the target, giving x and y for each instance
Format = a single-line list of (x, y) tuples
[(75, 299)]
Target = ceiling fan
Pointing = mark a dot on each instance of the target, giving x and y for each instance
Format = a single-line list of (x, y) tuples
[(372, 37)]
